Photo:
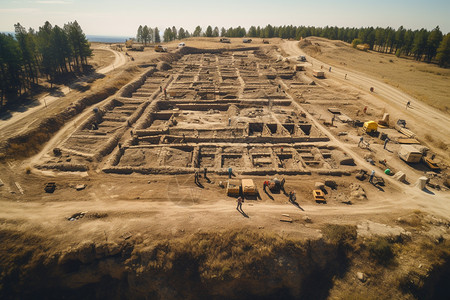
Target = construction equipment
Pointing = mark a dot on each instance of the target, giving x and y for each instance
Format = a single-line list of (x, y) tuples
[(225, 40), (318, 74), (370, 126), (233, 188), (431, 163), (319, 196), (409, 154), (159, 48), (247, 41), (249, 188)]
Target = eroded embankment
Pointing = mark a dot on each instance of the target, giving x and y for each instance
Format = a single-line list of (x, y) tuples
[(225, 265), (237, 265)]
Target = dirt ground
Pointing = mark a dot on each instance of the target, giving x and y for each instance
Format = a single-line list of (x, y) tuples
[(425, 82), (144, 185)]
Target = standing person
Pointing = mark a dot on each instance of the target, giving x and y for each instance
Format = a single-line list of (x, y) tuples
[(365, 109), (361, 139), (385, 142), (229, 121), (332, 120), (196, 177), (265, 185), (165, 94), (329, 70), (408, 104), (205, 171), (230, 172), (371, 176), (292, 197), (160, 88), (345, 76), (239, 203)]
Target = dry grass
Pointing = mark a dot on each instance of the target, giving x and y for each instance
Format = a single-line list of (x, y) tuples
[(426, 82)]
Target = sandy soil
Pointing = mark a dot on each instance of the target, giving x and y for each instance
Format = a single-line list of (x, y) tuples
[(430, 124), (155, 206)]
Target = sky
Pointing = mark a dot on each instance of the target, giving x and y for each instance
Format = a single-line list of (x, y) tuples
[(122, 18)]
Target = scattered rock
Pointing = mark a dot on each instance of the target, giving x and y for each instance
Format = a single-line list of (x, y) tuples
[(307, 219), (80, 187), (76, 216), (357, 192), (361, 276), (331, 183)]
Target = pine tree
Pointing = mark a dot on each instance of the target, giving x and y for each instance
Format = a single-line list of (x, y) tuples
[(215, 32), (208, 32), (157, 36), (139, 34), (443, 52), (433, 42), (197, 31)]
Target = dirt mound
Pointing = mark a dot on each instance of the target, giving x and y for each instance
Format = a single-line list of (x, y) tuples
[(163, 66)]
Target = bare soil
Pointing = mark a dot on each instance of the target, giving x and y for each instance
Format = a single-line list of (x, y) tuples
[(127, 217)]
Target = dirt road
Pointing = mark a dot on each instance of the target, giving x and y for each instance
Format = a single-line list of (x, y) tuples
[(46, 100), (433, 119)]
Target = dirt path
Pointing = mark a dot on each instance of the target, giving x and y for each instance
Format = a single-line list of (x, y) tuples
[(44, 101), (414, 198), (435, 120)]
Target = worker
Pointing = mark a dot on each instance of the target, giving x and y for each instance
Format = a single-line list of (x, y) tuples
[(361, 140), (265, 185), (408, 104), (230, 172), (229, 121), (183, 139), (165, 93), (332, 120), (365, 109), (329, 70), (205, 171), (292, 197), (160, 88), (372, 174), (345, 76), (196, 177), (385, 142), (240, 200)]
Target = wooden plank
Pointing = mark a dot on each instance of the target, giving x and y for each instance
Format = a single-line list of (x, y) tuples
[(407, 141)]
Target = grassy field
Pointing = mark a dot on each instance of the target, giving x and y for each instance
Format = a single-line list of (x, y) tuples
[(423, 81)]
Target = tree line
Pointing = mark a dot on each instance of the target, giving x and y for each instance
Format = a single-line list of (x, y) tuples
[(51, 51), (421, 44)]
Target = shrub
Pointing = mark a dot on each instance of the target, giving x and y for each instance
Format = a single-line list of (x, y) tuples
[(341, 234), (381, 251)]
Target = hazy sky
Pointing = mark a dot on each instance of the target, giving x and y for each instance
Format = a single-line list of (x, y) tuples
[(121, 18)]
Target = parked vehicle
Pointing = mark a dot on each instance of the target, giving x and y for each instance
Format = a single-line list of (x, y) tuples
[(181, 45), (410, 154), (318, 74), (301, 58), (160, 48), (225, 40), (247, 40)]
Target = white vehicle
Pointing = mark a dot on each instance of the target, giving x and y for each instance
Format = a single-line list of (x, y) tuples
[(181, 45)]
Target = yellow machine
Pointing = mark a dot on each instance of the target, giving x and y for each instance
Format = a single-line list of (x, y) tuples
[(233, 187), (248, 187), (370, 126)]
